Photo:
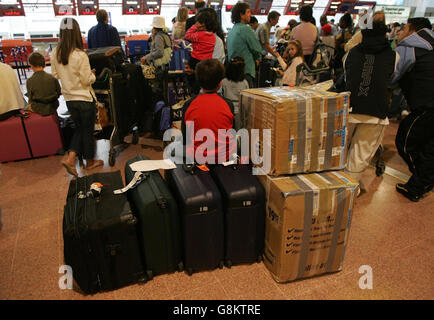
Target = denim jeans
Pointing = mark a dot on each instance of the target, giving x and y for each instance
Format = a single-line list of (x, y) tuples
[(83, 114)]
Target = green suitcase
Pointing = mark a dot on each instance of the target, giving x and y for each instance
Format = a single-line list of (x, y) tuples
[(158, 227)]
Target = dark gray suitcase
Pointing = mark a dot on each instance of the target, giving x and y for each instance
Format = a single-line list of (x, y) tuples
[(244, 209), (99, 233), (158, 228), (201, 211)]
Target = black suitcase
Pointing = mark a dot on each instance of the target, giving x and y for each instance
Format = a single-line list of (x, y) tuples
[(201, 211), (158, 228), (244, 209), (99, 233), (106, 57), (267, 76)]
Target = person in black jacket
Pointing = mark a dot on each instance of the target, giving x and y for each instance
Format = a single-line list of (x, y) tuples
[(368, 70), (415, 136)]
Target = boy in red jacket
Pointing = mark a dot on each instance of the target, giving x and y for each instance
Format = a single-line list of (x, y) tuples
[(211, 111)]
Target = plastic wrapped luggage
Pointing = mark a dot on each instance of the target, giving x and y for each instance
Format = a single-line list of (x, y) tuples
[(43, 133), (158, 227), (244, 209), (201, 213), (99, 233), (13, 140)]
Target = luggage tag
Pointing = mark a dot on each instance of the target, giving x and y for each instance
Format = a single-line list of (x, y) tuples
[(94, 191), (234, 162), (137, 179)]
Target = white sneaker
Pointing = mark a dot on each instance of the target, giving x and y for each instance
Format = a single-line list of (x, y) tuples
[(404, 113)]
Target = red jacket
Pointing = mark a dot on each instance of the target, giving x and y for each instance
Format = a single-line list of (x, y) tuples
[(210, 111), (203, 43)]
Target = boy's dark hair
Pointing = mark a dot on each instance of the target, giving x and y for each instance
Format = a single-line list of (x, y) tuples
[(253, 19), (205, 17), (37, 60), (271, 16), (235, 69), (416, 24), (237, 10), (306, 13), (209, 73), (101, 15), (199, 4)]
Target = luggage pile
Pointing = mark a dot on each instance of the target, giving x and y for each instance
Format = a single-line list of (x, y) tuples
[(195, 220), (309, 201)]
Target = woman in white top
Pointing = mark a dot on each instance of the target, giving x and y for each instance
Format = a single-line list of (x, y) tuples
[(294, 55), (70, 64)]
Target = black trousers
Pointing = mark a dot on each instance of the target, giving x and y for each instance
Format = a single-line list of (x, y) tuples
[(83, 114), (415, 144)]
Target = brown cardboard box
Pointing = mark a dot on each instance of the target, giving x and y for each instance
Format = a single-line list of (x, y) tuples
[(308, 127), (307, 223)]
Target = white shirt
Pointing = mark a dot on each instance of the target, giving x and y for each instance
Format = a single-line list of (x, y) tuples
[(76, 77), (11, 97), (290, 74)]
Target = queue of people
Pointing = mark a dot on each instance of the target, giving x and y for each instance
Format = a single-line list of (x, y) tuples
[(371, 62)]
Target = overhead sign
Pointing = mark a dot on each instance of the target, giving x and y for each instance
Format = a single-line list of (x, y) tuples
[(152, 7), (394, 11), (130, 7), (293, 6), (64, 7), (11, 8), (87, 7)]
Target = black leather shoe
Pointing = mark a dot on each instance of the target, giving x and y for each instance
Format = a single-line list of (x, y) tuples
[(402, 188)]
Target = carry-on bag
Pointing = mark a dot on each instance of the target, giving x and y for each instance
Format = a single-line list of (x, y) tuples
[(106, 57), (201, 213), (13, 140), (44, 134), (244, 210), (158, 228), (99, 233)]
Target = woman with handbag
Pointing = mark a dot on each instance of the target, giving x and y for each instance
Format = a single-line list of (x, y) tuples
[(70, 64), (160, 55)]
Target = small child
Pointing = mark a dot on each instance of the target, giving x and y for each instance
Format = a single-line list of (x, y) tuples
[(294, 57), (232, 85), (211, 111), (43, 89), (203, 40)]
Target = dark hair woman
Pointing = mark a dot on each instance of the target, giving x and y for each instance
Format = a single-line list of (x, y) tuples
[(70, 64)]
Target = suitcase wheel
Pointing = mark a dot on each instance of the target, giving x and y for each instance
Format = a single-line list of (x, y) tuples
[(380, 168), (142, 280), (189, 271), (149, 274), (221, 264), (259, 258), (112, 158), (135, 137), (228, 263), (180, 266)]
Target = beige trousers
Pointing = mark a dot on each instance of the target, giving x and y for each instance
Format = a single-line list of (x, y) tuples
[(365, 140)]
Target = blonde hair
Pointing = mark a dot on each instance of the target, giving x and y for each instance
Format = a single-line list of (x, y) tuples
[(182, 15)]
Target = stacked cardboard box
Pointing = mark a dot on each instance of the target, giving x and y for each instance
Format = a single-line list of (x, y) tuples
[(308, 209)]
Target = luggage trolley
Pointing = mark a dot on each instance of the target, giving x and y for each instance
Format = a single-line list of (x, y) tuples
[(108, 87)]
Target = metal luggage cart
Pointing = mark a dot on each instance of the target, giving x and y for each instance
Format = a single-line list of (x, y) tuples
[(116, 141)]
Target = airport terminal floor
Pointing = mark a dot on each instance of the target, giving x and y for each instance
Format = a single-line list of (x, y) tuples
[(389, 234)]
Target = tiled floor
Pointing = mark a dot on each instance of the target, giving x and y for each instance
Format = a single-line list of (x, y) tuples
[(388, 233)]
